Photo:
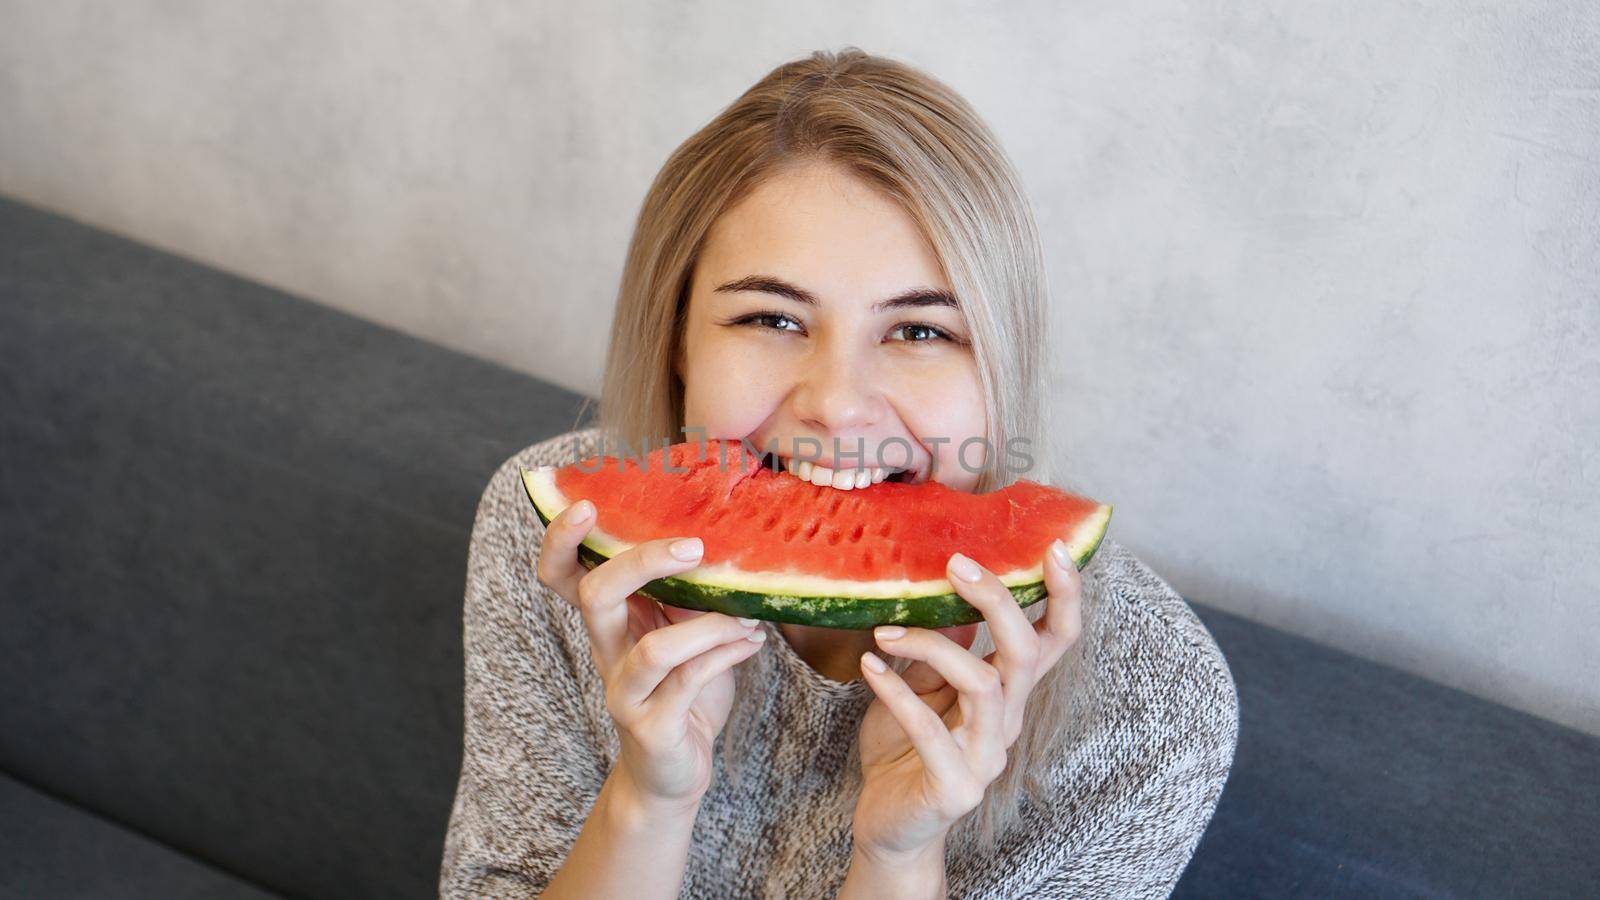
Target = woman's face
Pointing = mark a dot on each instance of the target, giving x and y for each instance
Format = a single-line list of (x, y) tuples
[(795, 332)]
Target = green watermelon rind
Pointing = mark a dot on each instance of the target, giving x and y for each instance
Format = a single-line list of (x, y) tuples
[(911, 604)]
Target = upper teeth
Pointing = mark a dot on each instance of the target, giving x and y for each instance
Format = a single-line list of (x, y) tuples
[(843, 479)]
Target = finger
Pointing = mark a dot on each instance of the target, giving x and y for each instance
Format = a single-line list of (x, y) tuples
[(1016, 643), (925, 679), (558, 567), (965, 635), (603, 593), (662, 650), (941, 756), (683, 685), (977, 684), (922, 678), (1062, 624)]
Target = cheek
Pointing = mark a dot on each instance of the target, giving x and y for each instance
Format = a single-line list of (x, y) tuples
[(949, 404), (728, 387), (946, 403)]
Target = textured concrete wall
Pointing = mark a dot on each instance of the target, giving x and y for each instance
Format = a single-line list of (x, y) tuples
[(1327, 271)]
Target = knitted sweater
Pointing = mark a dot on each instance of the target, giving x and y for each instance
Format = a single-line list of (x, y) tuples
[(1129, 795)]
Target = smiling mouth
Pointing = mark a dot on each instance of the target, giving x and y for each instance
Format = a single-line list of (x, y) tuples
[(846, 479)]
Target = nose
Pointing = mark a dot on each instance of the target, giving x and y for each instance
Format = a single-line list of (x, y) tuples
[(837, 394)]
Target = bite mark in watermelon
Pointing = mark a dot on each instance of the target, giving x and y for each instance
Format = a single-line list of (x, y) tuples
[(786, 550)]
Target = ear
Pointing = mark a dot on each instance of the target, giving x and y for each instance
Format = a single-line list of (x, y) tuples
[(680, 329)]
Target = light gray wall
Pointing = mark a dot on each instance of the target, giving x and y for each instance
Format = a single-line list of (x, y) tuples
[(1327, 271)]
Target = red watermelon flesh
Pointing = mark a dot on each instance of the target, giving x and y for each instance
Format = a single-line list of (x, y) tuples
[(796, 551)]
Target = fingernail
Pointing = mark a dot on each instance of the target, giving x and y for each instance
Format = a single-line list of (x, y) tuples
[(964, 568), (889, 632), (687, 549), (756, 636), (1058, 549), (580, 512), (871, 661), (748, 623)]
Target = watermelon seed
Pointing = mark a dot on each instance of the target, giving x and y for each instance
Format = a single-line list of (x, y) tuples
[(855, 534), (812, 531), (788, 533), (883, 530), (833, 536), (771, 521)]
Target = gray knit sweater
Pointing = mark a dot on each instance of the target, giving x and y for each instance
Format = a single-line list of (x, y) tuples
[(1130, 794)]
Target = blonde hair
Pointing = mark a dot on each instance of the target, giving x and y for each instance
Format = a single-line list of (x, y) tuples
[(915, 139)]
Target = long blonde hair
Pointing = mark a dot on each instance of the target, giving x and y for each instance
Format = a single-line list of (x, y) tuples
[(918, 141)]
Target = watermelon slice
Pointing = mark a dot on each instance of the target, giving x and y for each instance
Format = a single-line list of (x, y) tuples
[(787, 550)]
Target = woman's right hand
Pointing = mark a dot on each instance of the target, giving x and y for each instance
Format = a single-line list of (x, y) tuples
[(668, 672)]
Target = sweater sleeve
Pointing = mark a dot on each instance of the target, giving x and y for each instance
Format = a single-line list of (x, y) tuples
[(1144, 847), (1184, 722), (533, 762)]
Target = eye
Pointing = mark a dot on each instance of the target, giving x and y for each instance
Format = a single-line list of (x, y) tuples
[(930, 332), (764, 319)]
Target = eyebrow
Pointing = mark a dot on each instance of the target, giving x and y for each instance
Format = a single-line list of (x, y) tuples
[(771, 284)]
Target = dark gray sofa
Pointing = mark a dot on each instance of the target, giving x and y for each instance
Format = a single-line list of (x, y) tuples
[(233, 533)]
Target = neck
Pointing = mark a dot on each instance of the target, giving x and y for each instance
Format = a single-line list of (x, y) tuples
[(834, 653)]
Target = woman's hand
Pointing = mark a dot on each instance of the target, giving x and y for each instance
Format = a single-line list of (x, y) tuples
[(667, 671), (936, 737)]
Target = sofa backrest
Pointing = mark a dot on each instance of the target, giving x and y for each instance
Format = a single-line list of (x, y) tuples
[(233, 537)]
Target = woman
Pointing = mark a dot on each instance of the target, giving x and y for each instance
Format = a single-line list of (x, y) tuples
[(844, 254)]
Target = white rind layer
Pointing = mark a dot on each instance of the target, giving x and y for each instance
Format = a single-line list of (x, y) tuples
[(541, 486)]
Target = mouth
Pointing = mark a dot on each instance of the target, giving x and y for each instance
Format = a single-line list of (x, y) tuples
[(844, 479)]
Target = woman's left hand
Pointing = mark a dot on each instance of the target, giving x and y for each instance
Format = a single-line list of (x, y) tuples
[(937, 736)]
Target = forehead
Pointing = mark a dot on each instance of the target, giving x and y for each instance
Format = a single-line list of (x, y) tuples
[(826, 229)]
